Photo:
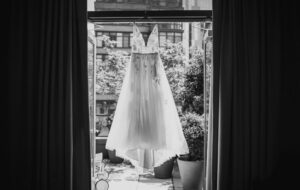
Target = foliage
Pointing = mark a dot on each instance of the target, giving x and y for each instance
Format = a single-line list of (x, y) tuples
[(192, 125), (172, 54), (110, 73), (174, 60), (193, 91)]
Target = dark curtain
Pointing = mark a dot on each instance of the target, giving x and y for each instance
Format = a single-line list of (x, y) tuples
[(48, 95), (254, 139)]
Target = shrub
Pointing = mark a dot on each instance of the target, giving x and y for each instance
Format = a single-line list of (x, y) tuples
[(192, 94), (193, 125)]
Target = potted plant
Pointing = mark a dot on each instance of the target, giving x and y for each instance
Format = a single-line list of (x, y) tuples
[(113, 158), (164, 171), (191, 166)]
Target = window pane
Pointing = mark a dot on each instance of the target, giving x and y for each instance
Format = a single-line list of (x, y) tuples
[(170, 37), (104, 57), (126, 37), (131, 34), (113, 36), (178, 37), (178, 26), (105, 34), (119, 39), (99, 41), (162, 38), (98, 56)]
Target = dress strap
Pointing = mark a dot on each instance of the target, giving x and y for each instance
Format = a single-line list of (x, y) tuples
[(153, 43), (138, 42)]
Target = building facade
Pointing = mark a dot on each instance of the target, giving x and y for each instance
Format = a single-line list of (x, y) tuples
[(122, 32)]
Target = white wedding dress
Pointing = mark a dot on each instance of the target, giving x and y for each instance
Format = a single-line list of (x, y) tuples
[(146, 128)]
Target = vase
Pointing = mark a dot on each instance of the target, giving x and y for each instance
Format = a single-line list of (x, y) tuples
[(191, 174), (164, 171)]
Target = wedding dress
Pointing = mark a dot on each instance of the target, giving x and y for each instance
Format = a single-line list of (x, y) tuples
[(146, 128)]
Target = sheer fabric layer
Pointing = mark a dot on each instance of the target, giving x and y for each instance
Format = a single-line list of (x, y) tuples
[(146, 128), (146, 117)]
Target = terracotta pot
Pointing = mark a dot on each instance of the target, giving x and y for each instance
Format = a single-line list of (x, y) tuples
[(164, 171), (113, 158), (191, 173)]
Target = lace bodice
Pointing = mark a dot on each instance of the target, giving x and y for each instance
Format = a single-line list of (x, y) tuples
[(138, 43)]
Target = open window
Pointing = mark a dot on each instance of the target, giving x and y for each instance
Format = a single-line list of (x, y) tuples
[(185, 33)]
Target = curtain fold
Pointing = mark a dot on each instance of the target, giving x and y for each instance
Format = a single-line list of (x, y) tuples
[(48, 96), (244, 136)]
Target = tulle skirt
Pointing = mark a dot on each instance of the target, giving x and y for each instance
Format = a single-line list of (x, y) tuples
[(146, 128)]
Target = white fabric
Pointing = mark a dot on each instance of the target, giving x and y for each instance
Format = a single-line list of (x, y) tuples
[(146, 128)]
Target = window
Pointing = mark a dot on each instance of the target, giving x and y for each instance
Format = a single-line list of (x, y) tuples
[(174, 25), (178, 37), (119, 40), (162, 38), (173, 37), (177, 26), (99, 42), (98, 56), (98, 39), (123, 39), (170, 37), (131, 35), (113, 37), (126, 40), (101, 57)]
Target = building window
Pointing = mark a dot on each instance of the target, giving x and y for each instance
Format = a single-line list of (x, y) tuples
[(162, 38), (174, 25), (173, 37), (101, 57), (99, 42), (98, 56), (126, 40), (99, 39), (178, 37), (113, 37), (170, 37), (119, 39), (131, 36), (123, 40)]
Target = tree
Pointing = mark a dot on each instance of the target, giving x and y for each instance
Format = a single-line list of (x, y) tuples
[(193, 91), (110, 73), (174, 61)]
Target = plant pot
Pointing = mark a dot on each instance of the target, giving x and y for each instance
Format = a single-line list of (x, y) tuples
[(164, 171), (191, 173), (113, 158)]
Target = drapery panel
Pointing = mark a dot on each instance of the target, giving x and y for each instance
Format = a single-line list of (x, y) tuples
[(252, 144), (48, 96)]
